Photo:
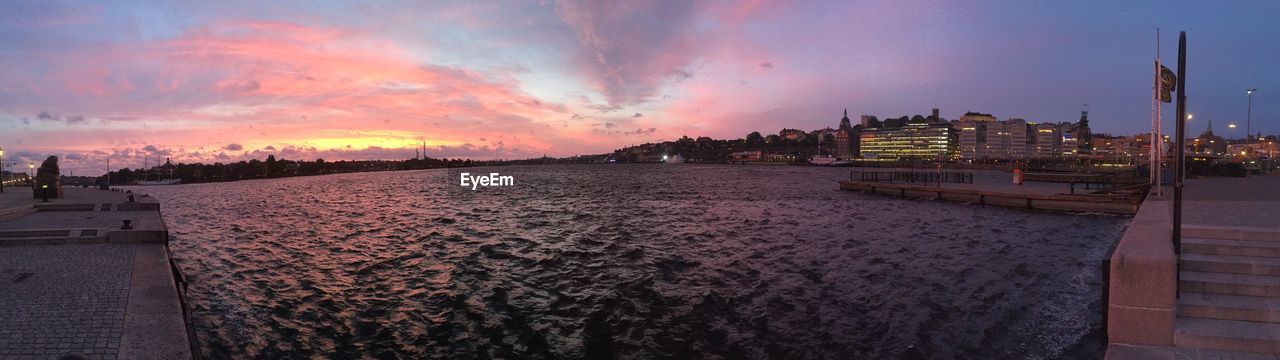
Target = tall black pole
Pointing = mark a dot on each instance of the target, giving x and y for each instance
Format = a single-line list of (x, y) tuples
[(1180, 171), (1248, 125)]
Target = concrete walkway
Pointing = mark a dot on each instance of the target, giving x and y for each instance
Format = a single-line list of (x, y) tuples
[(1228, 276), (17, 201), (21, 196), (71, 281), (1253, 201)]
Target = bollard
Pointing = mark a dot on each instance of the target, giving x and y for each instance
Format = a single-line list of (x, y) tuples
[(44, 192), (130, 197), (127, 225)]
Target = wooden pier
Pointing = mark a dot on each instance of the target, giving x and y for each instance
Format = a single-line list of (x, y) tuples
[(1111, 202)]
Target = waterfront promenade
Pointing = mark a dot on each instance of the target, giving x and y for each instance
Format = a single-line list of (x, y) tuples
[(996, 190), (1252, 201), (1226, 275), (73, 282)]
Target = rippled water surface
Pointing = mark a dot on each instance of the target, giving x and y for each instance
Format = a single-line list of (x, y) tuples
[(632, 261)]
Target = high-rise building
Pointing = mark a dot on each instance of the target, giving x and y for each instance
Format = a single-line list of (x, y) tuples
[(1048, 141), (1006, 139), (915, 141), (984, 137), (1070, 140), (973, 134)]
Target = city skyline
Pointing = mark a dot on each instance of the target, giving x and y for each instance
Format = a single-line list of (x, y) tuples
[(216, 82)]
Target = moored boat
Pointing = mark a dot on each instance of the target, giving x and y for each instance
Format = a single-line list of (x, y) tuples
[(822, 160), (159, 182)]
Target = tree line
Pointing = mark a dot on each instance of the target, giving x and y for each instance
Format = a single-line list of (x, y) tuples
[(273, 168)]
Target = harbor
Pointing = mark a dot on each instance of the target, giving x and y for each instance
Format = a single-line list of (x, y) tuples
[(576, 179), (449, 272), (960, 186), (1210, 291), (88, 275)]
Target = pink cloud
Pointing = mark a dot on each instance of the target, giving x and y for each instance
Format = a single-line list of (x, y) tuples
[(272, 82)]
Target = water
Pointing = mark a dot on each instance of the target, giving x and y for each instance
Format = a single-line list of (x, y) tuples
[(629, 261)]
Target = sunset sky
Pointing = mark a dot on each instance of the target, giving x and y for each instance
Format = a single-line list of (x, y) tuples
[(226, 80)]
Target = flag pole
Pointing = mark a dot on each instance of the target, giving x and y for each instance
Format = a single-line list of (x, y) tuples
[(1158, 143), (1155, 103), (1180, 169)]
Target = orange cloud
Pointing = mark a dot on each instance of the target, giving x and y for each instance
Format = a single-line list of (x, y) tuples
[(290, 85)]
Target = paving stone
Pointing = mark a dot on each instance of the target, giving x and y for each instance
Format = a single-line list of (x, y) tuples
[(74, 301)]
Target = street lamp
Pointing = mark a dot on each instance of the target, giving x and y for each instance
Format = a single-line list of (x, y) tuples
[(1248, 125), (1232, 126), (31, 174), (1, 170)]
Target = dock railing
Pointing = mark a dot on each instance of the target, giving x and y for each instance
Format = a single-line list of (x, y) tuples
[(912, 177)]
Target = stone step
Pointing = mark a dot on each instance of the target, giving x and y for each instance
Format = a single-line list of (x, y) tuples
[(1231, 232), (52, 240), (15, 209), (1230, 247), (1252, 265), (1230, 284), (65, 207), (7, 234), (16, 212), (1229, 307), (1229, 335)]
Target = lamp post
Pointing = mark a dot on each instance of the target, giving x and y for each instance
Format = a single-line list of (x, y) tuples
[(31, 174), (1248, 125), (1232, 126), (1, 170), (1189, 117)]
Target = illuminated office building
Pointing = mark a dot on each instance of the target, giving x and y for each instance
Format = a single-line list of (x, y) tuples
[(913, 141)]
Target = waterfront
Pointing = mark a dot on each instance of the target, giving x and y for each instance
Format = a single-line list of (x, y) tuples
[(77, 283), (641, 261)]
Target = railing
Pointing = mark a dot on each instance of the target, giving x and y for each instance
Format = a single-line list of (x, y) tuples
[(912, 177)]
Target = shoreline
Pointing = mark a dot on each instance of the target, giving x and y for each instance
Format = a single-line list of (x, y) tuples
[(87, 285)]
